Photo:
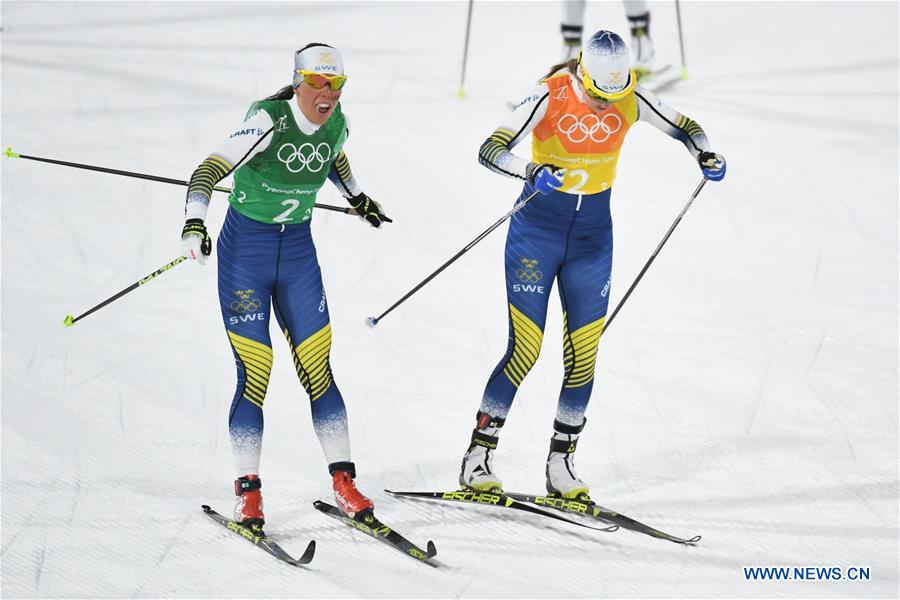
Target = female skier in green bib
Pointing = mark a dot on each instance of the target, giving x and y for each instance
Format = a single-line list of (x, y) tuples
[(281, 155)]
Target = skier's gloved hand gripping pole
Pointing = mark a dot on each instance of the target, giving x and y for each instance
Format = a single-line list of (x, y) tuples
[(545, 179), (10, 154)]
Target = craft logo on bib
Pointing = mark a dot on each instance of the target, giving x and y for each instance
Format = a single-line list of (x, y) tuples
[(305, 157)]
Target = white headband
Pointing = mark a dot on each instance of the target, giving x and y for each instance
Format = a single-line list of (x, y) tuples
[(318, 58)]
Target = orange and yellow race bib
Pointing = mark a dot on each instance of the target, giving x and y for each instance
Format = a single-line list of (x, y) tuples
[(583, 142)]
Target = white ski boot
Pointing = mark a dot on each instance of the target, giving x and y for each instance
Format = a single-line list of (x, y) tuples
[(641, 45), (477, 471), (561, 478)]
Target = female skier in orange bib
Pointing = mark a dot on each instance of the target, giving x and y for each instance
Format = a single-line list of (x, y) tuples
[(578, 117)]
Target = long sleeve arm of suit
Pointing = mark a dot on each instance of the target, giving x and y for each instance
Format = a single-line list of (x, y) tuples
[(253, 136), (671, 122), (341, 176), (496, 151)]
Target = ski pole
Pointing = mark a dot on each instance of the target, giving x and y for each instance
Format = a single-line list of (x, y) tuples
[(9, 153), (462, 78), (373, 321), (680, 40), (653, 256), (70, 320)]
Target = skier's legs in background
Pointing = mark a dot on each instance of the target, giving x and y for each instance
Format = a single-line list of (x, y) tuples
[(641, 44), (572, 27)]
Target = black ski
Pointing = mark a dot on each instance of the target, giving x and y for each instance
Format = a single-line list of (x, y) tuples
[(369, 524), (260, 539), (494, 499), (595, 511)]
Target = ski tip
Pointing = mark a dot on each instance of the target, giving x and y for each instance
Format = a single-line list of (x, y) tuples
[(206, 508), (371, 322), (694, 539), (308, 554), (431, 550)]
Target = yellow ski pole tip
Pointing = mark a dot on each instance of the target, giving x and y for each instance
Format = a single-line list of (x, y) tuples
[(10, 154), (69, 321), (461, 93)]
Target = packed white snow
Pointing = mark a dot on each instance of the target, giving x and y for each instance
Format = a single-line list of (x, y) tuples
[(747, 392)]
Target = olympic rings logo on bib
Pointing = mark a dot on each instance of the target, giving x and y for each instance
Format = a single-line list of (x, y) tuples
[(307, 156), (588, 126)]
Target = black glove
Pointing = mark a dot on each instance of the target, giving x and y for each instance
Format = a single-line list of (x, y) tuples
[(195, 242), (368, 209)]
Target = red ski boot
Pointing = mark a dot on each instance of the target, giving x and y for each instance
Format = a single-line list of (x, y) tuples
[(349, 499), (248, 508)]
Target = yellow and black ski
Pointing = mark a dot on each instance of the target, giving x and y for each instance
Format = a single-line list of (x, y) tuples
[(369, 524), (258, 538), (588, 508), (497, 499)]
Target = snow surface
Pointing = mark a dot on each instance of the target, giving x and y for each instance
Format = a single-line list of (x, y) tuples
[(748, 392)]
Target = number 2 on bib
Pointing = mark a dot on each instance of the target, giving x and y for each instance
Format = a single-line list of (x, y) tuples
[(582, 180), (292, 205)]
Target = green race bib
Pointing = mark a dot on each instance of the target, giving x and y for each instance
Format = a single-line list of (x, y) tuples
[(279, 184)]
